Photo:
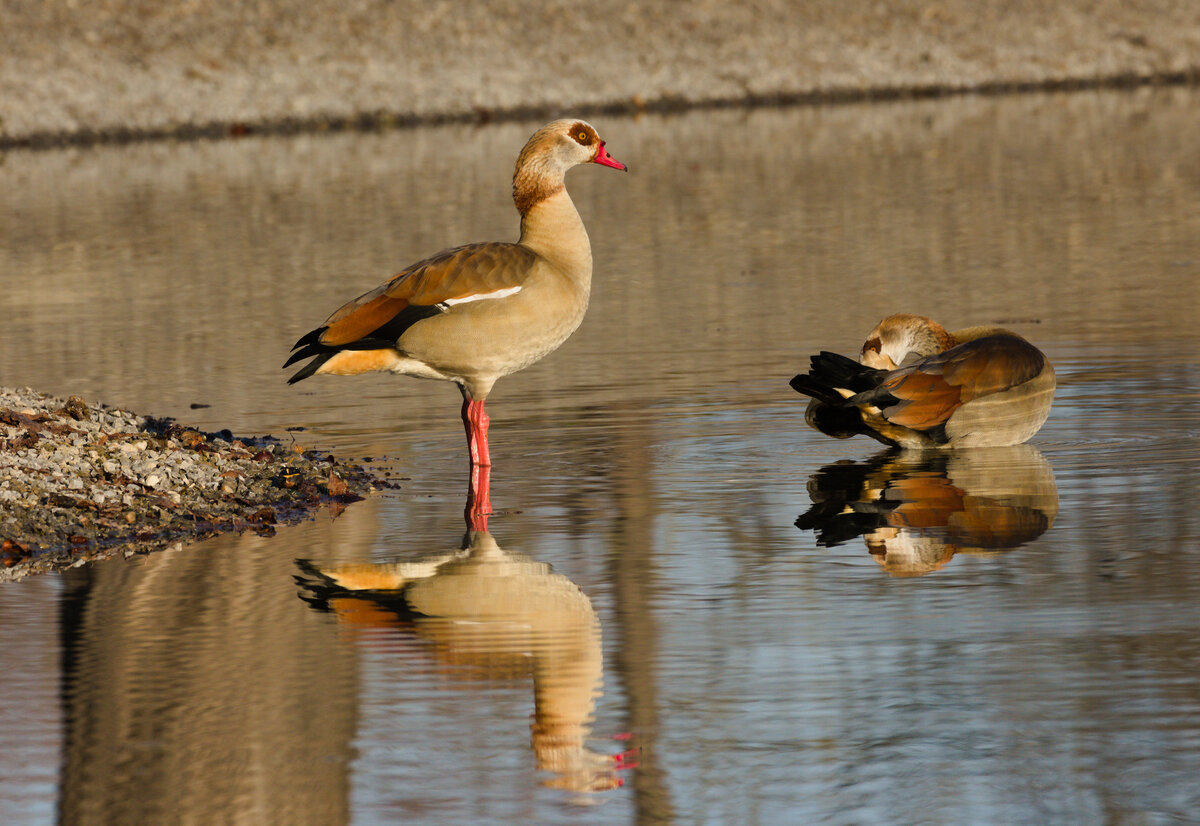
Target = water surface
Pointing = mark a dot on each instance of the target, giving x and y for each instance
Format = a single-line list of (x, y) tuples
[(998, 637)]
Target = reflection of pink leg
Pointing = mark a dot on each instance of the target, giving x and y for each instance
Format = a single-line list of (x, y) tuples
[(627, 759), (479, 497), (476, 421)]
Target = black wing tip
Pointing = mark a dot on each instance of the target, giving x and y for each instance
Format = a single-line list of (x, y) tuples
[(836, 370), (308, 346), (810, 385), (311, 337), (308, 369), (308, 351)]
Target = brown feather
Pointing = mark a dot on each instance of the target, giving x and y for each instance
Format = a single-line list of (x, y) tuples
[(463, 272), (925, 399), (991, 365), (451, 274), (356, 320), (931, 391)]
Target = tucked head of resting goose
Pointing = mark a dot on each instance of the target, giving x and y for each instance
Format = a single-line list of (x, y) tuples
[(475, 313), (918, 385)]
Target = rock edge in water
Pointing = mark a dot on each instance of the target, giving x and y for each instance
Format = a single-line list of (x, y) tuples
[(81, 482)]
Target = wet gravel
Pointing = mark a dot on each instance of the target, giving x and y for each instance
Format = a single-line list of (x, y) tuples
[(82, 481)]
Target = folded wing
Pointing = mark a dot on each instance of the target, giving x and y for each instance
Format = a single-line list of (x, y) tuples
[(926, 394), (377, 319)]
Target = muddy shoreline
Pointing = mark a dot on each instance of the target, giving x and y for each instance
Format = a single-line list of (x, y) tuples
[(382, 120), (81, 481)]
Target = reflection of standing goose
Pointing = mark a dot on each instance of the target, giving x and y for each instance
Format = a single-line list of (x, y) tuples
[(499, 614), (473, 314), (916, 511), (920, 386)]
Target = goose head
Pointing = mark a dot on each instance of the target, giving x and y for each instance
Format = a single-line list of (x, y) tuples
[(903, 337), (549, 153)]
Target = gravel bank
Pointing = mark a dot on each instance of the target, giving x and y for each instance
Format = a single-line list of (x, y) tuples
[(80, 482), (123, 69)]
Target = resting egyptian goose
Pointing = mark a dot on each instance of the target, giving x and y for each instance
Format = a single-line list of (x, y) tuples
[(475, 313), (919, 386)]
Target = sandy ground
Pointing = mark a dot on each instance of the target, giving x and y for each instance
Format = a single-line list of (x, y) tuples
[(111, 69)]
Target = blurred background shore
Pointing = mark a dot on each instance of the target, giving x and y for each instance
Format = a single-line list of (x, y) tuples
[(76, 72)]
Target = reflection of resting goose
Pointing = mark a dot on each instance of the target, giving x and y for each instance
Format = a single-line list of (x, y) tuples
[(499, 614), (920, 386), (915, 511)]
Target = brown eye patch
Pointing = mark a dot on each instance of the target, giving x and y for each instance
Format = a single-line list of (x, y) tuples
[(872, 345), (583, 134)]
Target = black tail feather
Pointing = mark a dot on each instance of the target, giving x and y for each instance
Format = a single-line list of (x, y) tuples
[(829, 373), (839, 371), (809, 385)]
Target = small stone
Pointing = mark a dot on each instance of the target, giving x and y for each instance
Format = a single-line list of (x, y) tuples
[(337, 485), (76, 408)]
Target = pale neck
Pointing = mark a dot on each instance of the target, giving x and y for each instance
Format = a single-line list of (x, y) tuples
[(553, 229), (930, 339)]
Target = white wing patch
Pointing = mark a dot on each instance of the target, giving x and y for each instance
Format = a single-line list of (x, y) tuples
[(504, 293)]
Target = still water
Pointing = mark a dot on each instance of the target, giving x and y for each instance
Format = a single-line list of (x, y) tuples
[(690, 608)]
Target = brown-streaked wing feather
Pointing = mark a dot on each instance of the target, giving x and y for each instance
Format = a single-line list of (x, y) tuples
[(452, 273), (991, 364), (360, 318), (465, 271), (929, 392), (923, 400)]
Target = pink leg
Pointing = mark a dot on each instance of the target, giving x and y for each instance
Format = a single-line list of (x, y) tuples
[(479, 498), (476, 421)]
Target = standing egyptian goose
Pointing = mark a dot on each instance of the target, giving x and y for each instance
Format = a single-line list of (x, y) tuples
[(919, 385), (475, 313)]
